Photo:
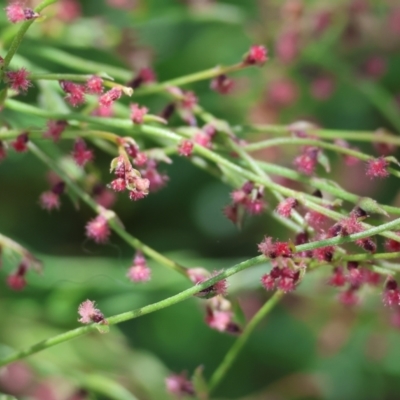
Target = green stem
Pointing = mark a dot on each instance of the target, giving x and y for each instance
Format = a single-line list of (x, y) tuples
[(69, 77), (112, 222), (360, 136), (312, 142), (184, 80), (233, 352), (320, 183), (116, 319), (20, 35)]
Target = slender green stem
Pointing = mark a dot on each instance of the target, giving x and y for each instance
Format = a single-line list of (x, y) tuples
[(233, 352), (186, 79), (367, 257), (20, 35), (69, 77), (116, 319), (360, 136), (113, 222), (320, 183)]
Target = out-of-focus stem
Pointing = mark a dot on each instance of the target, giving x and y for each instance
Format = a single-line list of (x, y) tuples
[(233, 352)]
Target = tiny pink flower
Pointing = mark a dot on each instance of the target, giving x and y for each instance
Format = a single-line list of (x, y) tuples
[(18, 80), (16, 281), (307, 161), (377, 168), (17, 13), (138, 113), (282, 93), (349, 297), (185, 148), (98, 229), (287, 46), (274, 250), (69, 10), (108, 98), (179, 385), (189, 100), (257, 55), (222, 84), (393, 245), (94, 85), (139, 271), (286, 206), (118, 185), (81, 153), (20, 143), (49, 200), (338, 277), (89, 313), (145, 75), (219, 320), (103, 111), (75, 93), (54, 129), (156, 179)]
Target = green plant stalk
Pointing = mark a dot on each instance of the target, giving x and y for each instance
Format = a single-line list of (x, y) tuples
[(307, 200), (81, 64), (360, 136), (312, 142), (186, 79), (20, 35), (112, 222), (190, 292), (319, 183), (116, 319), (233, 352), (69, 77)]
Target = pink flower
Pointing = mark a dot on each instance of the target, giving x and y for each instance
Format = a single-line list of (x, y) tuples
[(307, 161), (89, 313), (377, 168), (282, 92), (197, 275), (349, 297), (75, 93), (103, 111), (138, 113), (189, 100), (80, 153), (20, 143), (103, 196), (55, 129), (338, 277), (139, 271), (17, 13), (69, 10), (219, 320), (108, 98), (257, 55), (274, 250), (18, 80), (222, 84), (94, 85), (145, 75), (286, 206), (156, 179), (393, 245), (16, 281), (287, 46), (49, 200), (98, 229), (179, 385), (185, 148)]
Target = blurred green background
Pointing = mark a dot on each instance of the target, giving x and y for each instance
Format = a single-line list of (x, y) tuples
[(310, 347)]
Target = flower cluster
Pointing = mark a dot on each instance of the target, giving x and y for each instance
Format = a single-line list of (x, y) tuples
[(139, 270), (128, 178), (89, 313), (249, 198)]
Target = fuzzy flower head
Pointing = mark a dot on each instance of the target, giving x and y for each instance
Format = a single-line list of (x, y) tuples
[(89, 313), (49, 200), (16, 280), (18, 80), (222, 84), (139, 271), (81, 153), (275, 249), (20, 143), (197, 275), (108, 98), (94, 85), (75, 93), (257, 55), (16, 12), (377, 168), (185, 148), (98, 230), (179, 385), (54, 129), (138, 113), (286, 206)]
